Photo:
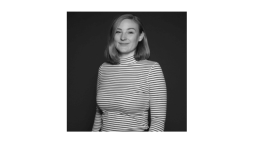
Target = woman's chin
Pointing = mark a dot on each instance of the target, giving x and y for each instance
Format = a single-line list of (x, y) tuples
[(124, 51)]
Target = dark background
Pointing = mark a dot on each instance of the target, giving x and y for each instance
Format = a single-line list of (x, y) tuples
[(87, 34)]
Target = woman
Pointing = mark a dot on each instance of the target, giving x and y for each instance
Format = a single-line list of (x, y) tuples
[(128, 84)]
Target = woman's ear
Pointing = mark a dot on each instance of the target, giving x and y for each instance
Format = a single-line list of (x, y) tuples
[(141, 36)]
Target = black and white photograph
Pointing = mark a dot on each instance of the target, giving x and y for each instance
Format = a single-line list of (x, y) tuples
[(126, 71)]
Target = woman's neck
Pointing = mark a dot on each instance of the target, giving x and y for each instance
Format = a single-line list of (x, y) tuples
[(127, 55)]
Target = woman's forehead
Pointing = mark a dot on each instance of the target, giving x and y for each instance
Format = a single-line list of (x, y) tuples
[(128, 24)]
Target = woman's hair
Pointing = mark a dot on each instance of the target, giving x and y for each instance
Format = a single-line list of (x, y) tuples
[(142, 50)]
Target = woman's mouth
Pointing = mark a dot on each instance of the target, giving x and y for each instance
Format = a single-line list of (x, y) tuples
[(123, 43)]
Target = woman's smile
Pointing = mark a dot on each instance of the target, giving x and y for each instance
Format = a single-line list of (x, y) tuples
[(123, 43)]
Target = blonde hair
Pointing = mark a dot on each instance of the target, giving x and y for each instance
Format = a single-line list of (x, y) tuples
[(142, 50)]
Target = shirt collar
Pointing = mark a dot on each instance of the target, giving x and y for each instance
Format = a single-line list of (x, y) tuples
[(128, 60)]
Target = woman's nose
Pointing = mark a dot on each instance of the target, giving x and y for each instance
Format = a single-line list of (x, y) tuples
[(123, 37)]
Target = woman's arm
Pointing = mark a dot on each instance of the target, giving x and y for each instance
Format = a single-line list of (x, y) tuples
[(158, 98), (97, 121)]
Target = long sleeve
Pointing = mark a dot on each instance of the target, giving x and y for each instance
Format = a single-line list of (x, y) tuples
[(98, 120), (158, 98)]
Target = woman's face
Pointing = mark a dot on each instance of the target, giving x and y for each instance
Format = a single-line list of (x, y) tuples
[(127, 36)]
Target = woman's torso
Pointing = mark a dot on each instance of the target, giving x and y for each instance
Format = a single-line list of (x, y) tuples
[(123, 95)]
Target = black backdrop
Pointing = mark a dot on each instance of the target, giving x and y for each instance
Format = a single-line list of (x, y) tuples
[(87, 34)]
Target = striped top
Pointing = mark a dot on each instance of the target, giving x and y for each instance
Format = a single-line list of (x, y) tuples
[(126, 91)]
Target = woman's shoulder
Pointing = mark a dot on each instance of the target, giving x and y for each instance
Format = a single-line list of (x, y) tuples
[(153, 65), (148, 62), (104, 64)]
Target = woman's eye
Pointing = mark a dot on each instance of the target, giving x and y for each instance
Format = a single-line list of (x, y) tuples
[(130, 32), (117, 31)]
